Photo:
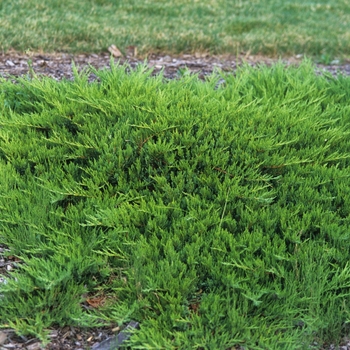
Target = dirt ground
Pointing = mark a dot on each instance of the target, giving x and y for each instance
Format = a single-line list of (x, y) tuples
[(59, 65)]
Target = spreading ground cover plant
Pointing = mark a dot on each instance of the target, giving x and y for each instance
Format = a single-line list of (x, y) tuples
[(214, 213), (277, 27)]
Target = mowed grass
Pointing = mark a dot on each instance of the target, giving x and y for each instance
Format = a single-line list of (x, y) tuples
[(271, 27), (214, 214)]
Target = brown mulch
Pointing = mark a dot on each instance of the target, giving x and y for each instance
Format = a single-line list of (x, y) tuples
[(71, 338), (59, 66)]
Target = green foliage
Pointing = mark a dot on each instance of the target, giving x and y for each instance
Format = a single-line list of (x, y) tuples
[(215, 216)]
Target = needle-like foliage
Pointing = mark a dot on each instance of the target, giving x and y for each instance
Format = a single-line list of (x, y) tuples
[(216, 215)]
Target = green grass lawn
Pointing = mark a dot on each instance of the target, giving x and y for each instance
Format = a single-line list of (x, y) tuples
[(273, 27), (214, 215)]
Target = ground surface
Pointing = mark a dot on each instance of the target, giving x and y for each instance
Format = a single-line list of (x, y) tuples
[(58, 66)]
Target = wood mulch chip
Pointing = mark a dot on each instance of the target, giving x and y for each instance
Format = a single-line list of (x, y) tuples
[(59, 66), (71, 338)]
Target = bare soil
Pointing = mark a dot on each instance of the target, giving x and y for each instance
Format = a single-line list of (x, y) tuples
[(59, 65)]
